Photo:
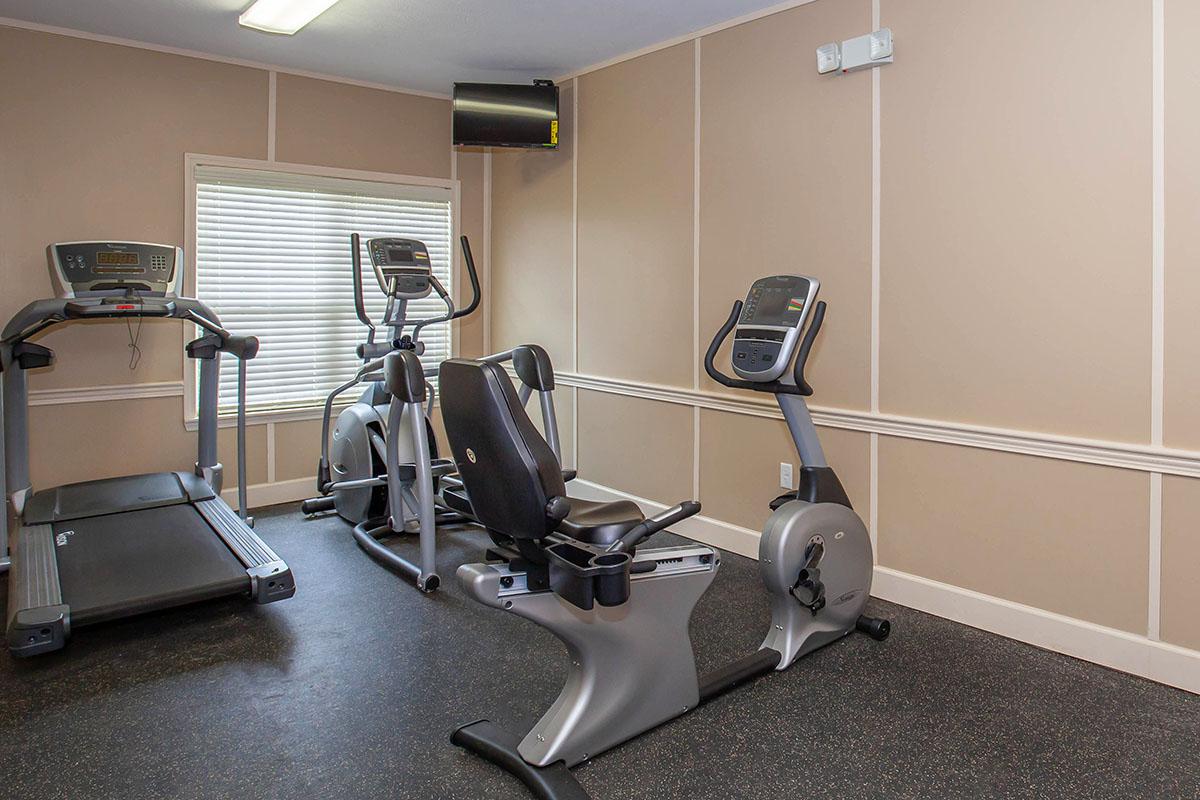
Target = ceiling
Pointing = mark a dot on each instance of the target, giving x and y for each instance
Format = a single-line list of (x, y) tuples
[(416, 44)]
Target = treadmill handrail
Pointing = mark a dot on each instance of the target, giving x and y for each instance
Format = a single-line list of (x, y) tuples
[(39, 315)]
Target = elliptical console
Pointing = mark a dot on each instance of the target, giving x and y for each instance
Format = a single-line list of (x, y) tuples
[(404, 260)]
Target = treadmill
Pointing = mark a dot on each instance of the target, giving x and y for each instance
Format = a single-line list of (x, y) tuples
[(104, 549)]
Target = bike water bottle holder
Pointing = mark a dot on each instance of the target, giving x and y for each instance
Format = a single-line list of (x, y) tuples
[(584, 575)]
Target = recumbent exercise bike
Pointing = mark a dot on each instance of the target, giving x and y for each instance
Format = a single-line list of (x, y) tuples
[(623, 612)]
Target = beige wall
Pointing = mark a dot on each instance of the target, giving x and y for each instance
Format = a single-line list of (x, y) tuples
[(81, 442), (1044, 533), (532, 237), (69, 171), (1180, 594), (1182, 352), (297, 449), (72, 167), (471, 331), (639, 446), (1016, 197), (1180, 556), (635, 219), (1015, 281), (338, 125)]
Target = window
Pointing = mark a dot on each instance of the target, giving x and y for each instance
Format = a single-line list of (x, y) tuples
[(272, 257)]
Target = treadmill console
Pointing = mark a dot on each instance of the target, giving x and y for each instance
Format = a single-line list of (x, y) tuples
[(768, 331), (406, 261), (99, 269)]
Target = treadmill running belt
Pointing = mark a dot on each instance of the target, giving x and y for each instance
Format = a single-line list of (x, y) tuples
[(138, 561)]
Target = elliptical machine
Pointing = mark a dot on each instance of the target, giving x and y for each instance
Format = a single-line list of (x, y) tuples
[(380, 469), (623, 612)]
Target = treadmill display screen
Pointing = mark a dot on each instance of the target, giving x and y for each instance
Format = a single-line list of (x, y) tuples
[(402, 255), (111, 258)]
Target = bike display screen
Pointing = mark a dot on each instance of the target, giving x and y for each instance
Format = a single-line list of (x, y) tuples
[(777, 301)]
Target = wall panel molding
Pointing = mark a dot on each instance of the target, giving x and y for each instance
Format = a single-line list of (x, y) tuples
[(1158, 304), (1140, 457), (102, 394)]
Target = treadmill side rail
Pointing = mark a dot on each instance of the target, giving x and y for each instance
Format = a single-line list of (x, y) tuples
[(38, 620), (270, 578)]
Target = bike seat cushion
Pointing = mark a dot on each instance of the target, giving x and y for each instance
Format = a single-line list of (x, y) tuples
[(600, 523)]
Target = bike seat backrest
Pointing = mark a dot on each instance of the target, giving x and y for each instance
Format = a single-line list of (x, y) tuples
[(533, 367), (509, 471)]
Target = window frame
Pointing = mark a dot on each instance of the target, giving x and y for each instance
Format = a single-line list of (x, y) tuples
[(194, 160)]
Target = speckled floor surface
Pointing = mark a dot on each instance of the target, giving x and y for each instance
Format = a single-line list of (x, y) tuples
[(350, 690)]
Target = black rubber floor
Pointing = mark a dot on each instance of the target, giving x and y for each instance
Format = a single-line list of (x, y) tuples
[(350, 690)]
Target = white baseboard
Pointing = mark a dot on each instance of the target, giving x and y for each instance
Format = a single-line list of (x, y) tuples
[(1119, 650), (269, 494)]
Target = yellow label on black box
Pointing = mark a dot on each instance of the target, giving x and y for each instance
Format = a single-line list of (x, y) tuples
[(554, 132)]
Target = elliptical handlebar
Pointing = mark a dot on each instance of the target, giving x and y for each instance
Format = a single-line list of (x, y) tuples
[(450, 313), (474, 277), (360, 304)]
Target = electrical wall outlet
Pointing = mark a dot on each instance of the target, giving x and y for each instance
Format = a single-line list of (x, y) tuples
[(785, 475)]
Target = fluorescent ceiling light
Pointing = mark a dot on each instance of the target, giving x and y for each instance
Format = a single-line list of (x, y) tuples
[(283, 16)]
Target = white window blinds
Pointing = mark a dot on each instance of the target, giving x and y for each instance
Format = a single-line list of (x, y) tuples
[(273, 260)]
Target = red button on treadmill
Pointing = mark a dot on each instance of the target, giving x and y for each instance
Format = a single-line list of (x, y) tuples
[(126, 308)]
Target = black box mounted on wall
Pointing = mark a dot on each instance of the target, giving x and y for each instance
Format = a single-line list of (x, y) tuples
[(506, 114)]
